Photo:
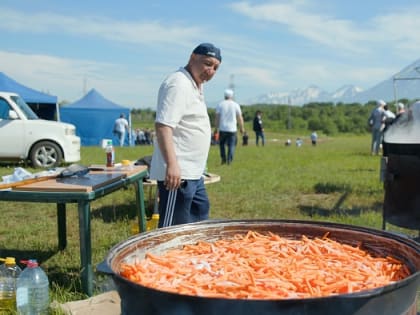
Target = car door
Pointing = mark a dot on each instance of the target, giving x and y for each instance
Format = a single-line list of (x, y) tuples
[(12, 133)]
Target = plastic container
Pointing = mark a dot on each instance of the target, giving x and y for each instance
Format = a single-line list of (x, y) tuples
[(152, 224), (135, 228), (110, 154), (32, 290), (127, 165), (9, 272)]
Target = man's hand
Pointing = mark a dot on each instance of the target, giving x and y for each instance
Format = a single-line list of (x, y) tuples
[(173, 177)]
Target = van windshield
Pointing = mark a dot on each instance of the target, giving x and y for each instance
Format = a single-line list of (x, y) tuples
[(27, 111)]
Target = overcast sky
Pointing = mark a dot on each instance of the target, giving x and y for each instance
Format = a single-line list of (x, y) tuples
[(124, 49)]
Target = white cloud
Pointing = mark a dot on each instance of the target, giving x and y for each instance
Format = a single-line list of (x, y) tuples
[(345, 36), (323, 29), (108, 29), (260, 76), (70, 78), (400, 30), (45, 72), (331, 75)]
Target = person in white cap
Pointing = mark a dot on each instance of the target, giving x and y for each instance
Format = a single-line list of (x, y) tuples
[(401, 115), (228, 116), (400, 109), (376, 121)]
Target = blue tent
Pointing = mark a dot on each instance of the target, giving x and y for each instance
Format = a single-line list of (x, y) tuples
[(94, 117), (44, 105)]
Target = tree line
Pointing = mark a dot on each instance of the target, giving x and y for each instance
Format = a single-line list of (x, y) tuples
[(325, 117)]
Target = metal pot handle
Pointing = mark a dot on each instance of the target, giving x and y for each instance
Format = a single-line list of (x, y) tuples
[(104, 268)]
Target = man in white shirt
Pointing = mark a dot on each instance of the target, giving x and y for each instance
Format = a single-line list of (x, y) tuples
[(120, 127), (183, 135), (389, 118), (228, 115)]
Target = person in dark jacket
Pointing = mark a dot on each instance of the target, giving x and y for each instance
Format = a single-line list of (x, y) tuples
[(258, 128)]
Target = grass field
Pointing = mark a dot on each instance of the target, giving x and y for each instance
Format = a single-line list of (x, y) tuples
[(337, 181)]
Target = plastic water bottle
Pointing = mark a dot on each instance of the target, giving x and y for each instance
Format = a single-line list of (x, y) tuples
[(9, 272), (32, 290), (110, 154)]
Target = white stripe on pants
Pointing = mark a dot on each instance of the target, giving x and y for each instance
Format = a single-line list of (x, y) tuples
[(170, 208)]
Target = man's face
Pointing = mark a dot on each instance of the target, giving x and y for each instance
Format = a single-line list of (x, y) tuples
[(203, 68)]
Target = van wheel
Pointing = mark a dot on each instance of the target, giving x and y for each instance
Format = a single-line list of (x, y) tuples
[(46, 154)]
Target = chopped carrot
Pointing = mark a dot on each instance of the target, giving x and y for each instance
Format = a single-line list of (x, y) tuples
[(259, 266)]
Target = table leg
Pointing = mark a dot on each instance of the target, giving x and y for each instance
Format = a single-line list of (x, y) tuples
[(61, 225), (85, 247), (140, 204), (383, 220), (149, 203), (156, 202)]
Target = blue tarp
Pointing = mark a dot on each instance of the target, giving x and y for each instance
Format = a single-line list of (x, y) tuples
[(94, 117), (44, 105)]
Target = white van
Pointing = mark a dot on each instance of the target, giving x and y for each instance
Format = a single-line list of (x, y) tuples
[(23, 136)]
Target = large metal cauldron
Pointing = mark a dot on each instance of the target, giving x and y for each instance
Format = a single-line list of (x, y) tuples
[(401, 154), (395, 299), (402, 185)]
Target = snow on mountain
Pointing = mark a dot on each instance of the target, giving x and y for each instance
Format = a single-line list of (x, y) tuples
[(346, 92), (404, 84), (295, 97), (304, 96)]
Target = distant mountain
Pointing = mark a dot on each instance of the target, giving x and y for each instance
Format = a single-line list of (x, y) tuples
[(346, 92), (405, 83), (304, 96)]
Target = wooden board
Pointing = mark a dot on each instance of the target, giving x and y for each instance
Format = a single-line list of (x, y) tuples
[(85, 183), (26, 181), (128, 170)]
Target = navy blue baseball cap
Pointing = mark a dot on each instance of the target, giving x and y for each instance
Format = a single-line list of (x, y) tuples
[(208, 49)]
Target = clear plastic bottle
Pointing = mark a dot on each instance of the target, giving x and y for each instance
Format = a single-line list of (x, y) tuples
[(110, 154), (9, 272), (32, 290)]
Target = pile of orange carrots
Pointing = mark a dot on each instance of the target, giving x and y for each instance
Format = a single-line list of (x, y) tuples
[(265, 266)]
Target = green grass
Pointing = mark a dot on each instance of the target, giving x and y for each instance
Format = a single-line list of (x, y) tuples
[(283, 182), (337, 181)]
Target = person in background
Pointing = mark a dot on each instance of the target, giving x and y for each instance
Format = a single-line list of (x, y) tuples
[(120, 127), (401, 113), (228, 116), (314, 138), (376, 121), (258, 128), (389, 118), (183, 135), (400, 109)]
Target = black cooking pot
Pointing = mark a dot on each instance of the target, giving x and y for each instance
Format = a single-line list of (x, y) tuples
[(398, 298), (402, 190), (412, 149)]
